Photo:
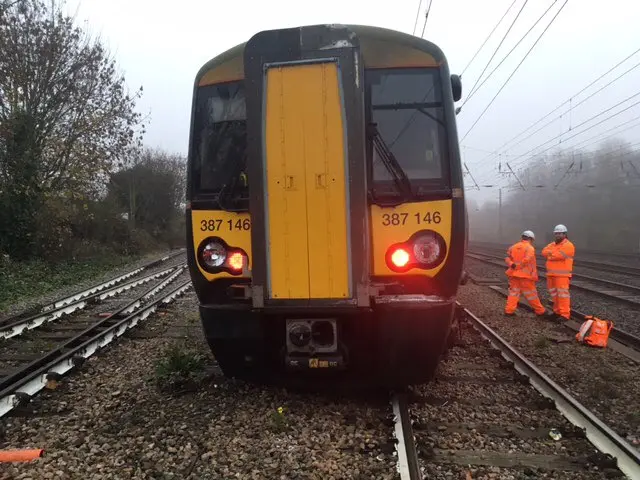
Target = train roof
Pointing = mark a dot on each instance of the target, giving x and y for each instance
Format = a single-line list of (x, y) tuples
[(380, 47)]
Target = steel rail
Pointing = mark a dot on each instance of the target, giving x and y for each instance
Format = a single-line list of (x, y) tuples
[(17, 327), (633, 290), (125, 310), (598, 433), (623, 337), (85, 292), (586, 251), (593, 264), (613, 267), (407, 466), (27, 381)]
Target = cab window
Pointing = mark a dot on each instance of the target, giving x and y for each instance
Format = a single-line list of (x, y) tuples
[(406, 112)]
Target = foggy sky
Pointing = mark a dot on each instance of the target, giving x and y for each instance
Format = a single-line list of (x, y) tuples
[(161, 45)]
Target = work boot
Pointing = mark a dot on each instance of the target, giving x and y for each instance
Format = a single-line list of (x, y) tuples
[(510, 314)]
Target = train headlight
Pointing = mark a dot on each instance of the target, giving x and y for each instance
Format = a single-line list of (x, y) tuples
[(429, 249), (214, 254)]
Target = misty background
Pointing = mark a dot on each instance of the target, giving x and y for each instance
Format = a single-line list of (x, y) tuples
[(548, 122)]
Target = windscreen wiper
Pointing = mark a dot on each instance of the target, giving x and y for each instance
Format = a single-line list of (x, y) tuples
[(391, 163), (435, 119)]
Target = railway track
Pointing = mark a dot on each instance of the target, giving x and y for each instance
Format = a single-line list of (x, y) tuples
[(630, 343), (445, 430), (621, 292), (39, 358), (480, 419), (37, 311), (408, 464), (12, 328), (604, 266)]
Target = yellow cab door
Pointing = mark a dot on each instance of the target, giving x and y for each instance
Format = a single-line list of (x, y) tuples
[(307, 209)]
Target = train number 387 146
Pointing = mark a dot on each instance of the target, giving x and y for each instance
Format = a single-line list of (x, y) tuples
[(225, 225), (395, 219)]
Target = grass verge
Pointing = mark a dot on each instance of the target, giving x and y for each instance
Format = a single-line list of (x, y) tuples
[(20, 280)]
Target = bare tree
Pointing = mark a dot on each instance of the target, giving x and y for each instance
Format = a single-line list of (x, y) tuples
[(52, 71), (66, 117)]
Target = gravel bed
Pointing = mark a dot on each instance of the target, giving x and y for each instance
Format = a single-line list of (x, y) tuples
[(624, 316), (605, 381), (110, 420), (463, 414), (53, 295)]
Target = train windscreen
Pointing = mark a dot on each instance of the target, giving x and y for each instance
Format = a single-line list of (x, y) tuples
[(219, 143), (407, 114)]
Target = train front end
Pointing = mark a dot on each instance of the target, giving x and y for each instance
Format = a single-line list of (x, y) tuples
[(326, 219)]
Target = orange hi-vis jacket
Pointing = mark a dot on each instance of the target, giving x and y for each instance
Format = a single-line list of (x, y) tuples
[(524, 256), (559, 258)]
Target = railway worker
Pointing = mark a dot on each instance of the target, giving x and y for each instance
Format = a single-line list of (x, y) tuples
[(559, 255), (523, 275)]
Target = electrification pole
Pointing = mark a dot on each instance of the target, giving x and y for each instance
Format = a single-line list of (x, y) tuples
[(500, 214)]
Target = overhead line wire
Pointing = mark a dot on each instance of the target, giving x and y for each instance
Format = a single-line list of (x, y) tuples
[(576, 105), (608, 157), (504, 37), (488, 37), (516, 69), (415, 25), (586, 129), (473, 92), (403, 129), (426, 17), (563, 103), (634, 119)]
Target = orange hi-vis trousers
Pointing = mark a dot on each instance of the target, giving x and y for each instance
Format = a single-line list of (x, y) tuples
[(559, 292), (526, 287)]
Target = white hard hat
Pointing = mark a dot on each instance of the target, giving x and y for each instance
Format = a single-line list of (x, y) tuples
[(560, 229), (528, 233)]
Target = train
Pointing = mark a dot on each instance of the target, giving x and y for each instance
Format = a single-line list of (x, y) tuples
[(326, 220)]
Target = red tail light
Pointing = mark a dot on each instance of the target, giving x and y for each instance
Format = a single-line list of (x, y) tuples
[(400, 257), (425, 250), (236, 261)]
